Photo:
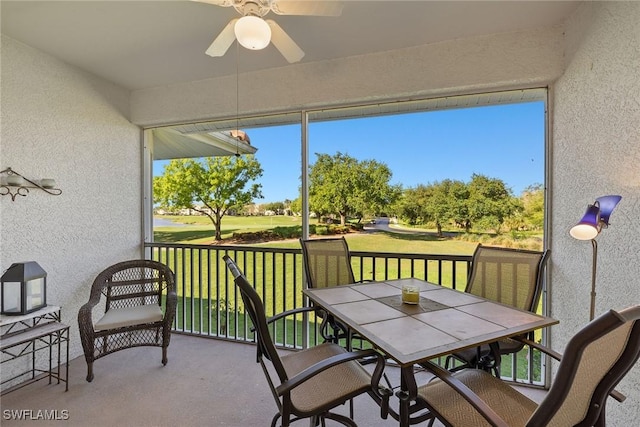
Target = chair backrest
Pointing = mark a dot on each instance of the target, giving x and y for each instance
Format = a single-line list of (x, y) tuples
[(133, 283), (594, 362), (327, 262), (509, 276), (254, 308)]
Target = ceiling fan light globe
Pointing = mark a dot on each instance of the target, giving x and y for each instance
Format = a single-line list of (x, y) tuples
[(252, 32)]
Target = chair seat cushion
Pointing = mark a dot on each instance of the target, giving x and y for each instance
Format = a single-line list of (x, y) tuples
[(121, 317), (322, 390), (509, 404)]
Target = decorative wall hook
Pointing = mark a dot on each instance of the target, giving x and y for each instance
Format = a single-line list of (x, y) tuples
[(15, 184)]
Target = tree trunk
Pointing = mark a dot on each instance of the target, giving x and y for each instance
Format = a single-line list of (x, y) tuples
[(439, 229), (218, 224), (343, 219)]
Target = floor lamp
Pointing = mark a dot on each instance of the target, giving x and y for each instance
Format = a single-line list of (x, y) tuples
[(592, 223)]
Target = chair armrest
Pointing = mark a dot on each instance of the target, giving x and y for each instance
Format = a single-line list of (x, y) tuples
[(618, 396), (467, 394), (85, 324), (287, 313), (539, 346), (170, 309), (84, 314), (323, 365), (291, 313), (614, 393)]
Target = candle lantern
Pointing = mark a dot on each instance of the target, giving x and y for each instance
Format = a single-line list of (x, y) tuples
[(24, 288)]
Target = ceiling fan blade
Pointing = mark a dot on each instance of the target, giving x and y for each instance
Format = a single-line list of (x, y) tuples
[(285, 44), (223, 3), (304, 7), (224, 40)]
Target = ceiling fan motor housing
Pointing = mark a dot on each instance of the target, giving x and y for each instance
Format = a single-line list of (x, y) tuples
[(252, 7)]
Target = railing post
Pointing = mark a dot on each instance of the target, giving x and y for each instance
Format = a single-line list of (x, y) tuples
[(304, 173)]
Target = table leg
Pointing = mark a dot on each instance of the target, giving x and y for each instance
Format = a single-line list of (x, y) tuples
[(408, 393), (66, 371), (33, 359), (50, 344), (59, 345)]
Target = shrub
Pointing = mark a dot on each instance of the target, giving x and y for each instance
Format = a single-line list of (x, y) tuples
[(288, 232), (321, 230)]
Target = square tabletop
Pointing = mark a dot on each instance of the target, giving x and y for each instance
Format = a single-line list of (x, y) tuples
[(443, 321)]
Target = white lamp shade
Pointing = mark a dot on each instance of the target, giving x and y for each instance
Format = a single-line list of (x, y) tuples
[(252, 32), (583, 232)]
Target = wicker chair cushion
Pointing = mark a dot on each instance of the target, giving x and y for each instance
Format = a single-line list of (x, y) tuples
[(121, 317), (326, 387), (512, 406)]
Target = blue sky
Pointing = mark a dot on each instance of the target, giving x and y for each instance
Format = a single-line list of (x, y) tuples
[(505, 141)]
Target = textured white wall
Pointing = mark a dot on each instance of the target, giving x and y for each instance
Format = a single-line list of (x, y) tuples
[(61, 123), (495, 62), (596, 151)]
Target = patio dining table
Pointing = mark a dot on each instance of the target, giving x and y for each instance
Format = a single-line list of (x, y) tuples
[(443, 321)]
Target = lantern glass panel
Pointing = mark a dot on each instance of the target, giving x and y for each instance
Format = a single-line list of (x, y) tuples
[(11, 297), (35, 293)]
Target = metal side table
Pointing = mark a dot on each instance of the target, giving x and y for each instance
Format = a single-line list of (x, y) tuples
[(26, 335)]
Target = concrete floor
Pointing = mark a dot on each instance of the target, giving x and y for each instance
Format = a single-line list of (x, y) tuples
[(206, 383)]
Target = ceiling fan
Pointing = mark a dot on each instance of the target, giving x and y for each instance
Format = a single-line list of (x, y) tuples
[(254, 32)]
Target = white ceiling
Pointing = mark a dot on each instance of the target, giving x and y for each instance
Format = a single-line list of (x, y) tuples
[(140, 44)]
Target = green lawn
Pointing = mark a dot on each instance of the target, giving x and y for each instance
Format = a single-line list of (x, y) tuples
[(197, 272), (201, 274), (199, 230), (202, 268)]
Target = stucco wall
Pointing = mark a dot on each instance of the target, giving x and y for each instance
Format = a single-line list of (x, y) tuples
[(59, 122), (494, 62), (596, 151)]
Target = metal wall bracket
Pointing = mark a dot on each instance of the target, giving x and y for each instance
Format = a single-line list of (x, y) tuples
[(15, 184)]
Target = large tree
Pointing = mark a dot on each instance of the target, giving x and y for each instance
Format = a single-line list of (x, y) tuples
[(345, 186), (459, 204), (439, 203), (449, 203), (414, 203), (490, 202), (532, 200), (484, 202), (210, 185)]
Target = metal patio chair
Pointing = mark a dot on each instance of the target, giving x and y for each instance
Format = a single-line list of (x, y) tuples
[(594, 362), (309, 383), (513, 277), (139, 298), (327, 263)]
